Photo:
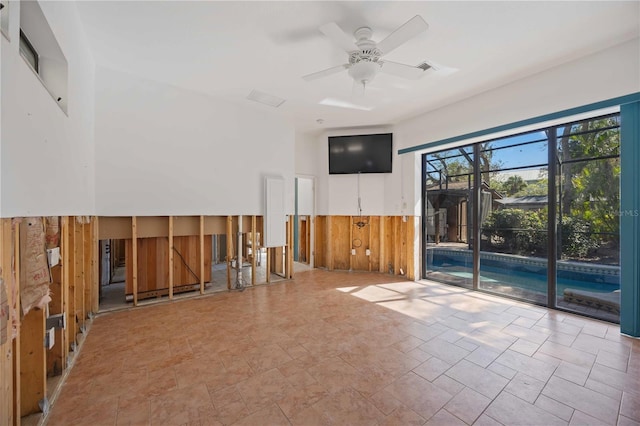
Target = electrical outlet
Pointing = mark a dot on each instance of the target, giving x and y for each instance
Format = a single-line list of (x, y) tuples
[(368, 252), (50, 338), (353, 252)]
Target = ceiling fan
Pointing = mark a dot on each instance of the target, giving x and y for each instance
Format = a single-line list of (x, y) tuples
[(365, 55)]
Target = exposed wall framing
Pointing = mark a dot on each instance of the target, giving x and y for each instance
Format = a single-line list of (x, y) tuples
[(28, 368), (371, 243)]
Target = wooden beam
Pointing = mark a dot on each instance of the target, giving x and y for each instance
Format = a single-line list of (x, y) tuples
[(329, 251), (254, 250), (7, 354), (95, 265), (17, 401), (382, 262), (171, 257), (64, 241), (201, 258), (134, 255), (411, 226), (229, 249), (87, 253), (79, 270), (71, 293), (269, 249), (369, 245), (397, 244), (351, 255), (33, 364)]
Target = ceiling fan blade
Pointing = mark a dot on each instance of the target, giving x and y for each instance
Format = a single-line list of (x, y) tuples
[(325, 73), (402, 70), (404, 33), (339, 37), (440, 69)]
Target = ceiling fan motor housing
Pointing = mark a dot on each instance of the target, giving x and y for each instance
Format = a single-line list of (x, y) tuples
[(364, 62)]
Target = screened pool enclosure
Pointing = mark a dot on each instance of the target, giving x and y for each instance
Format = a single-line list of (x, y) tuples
[(533, 216)]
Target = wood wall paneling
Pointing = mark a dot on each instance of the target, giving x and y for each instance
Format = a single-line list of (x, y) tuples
[(320, 242), (374, 242), (339, 243), (114, 228), (360, 242)]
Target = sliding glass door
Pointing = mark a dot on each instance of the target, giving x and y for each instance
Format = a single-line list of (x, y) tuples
[(513, 216), (547, 219), (447, 216)]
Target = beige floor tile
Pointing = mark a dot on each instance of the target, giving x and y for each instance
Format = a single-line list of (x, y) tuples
[(348, 407), (419, 394), (444, 418), (573, 373), (582, 399), (630, 406), (525, 387), (350, 348), (554, 407), (432, 368), (572, 355), (477, 378), (467, 405), (535, 368), (511, 410)]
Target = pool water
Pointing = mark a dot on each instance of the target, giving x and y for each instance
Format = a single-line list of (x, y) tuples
[(531, 277)]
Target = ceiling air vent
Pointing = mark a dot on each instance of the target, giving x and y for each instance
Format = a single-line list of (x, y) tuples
[(424, 66), (265, 98)]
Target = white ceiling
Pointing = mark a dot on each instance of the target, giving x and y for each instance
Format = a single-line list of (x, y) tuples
[(227, 49)]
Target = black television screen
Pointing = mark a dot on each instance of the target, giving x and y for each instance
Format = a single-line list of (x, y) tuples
[(360, 154)]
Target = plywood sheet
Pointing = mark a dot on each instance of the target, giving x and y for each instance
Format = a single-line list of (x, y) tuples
[(153, 226), (320, 241), (360, 242), (153, 263), (340, 242), (186, 225), (114, 228)]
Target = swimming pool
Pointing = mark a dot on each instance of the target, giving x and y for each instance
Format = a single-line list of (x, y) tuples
[(526, 273)]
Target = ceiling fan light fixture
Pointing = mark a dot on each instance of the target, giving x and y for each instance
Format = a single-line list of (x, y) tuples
[(363, 72)]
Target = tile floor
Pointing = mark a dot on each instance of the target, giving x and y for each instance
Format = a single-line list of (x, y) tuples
[(334, 348)]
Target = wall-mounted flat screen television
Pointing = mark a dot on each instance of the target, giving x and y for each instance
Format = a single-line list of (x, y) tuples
[(360, 154)]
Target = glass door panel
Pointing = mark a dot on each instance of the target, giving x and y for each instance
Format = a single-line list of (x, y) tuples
[(513, 212), (588, 267), (449, 184)]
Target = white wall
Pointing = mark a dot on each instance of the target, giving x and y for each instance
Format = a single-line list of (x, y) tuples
[(47, 157), (338, 194), (161, 150), (305, 196), (607, 74)]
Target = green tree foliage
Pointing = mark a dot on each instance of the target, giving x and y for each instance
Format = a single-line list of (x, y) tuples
[(589, 188), (513, 185), (524, 232), (538, 187), (516, 231)]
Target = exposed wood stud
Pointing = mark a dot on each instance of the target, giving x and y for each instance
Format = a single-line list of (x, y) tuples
[(171, 247), (66, 270), (33, 364), (329, 243), (269, 265), (351, 255), (95, 265), (229, 249), (17, 401), (201, 255), (255, 251), (134, 263)]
